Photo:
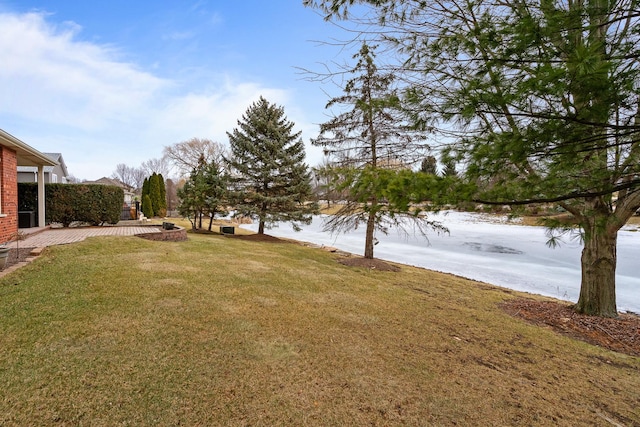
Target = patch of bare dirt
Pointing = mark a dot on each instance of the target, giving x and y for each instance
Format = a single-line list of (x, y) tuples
[(372, 264), (621, 334)]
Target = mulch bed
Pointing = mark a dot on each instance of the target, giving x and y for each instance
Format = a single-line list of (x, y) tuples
[(372, 264), (621, 334), (257, 238), (16, 256)]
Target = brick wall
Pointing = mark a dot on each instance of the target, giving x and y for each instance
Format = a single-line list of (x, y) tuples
[(178, 234), (9, 194)]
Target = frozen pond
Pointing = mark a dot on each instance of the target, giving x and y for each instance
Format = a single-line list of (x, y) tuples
[(494, 251)]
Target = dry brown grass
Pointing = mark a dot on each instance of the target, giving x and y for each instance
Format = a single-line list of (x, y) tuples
[(537, 220), (215, 228), (219, 331), (634, 220), (331, 209)]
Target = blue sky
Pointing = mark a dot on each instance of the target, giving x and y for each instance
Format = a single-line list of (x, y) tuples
[(114, 82)]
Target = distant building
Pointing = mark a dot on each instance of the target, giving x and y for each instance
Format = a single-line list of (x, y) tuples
[(392, 163), (128, 194), (57, 174)]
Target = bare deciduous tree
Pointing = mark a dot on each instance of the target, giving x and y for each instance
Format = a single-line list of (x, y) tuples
[(160, 166), (129, 176), (184, 156)]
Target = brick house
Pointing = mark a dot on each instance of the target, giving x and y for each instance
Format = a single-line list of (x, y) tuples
[(14, 153)]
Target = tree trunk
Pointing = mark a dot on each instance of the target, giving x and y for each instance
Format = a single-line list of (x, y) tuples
[(368, 243), (598, 287), (262, 216)]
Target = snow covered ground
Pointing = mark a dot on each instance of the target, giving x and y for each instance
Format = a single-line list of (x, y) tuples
[(481, 248)]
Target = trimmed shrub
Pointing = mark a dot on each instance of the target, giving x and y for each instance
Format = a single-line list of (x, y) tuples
[(147, 207), (66, 203), (154, 193), (163, 197)]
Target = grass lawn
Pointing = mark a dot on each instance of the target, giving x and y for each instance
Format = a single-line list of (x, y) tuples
[(224, 331), (634, 220)]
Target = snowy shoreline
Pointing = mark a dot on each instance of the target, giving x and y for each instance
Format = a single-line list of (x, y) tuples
[(501, 253)]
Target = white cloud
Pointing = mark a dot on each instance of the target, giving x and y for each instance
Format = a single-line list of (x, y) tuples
[(51, 77), (61, 94), (216, 112)]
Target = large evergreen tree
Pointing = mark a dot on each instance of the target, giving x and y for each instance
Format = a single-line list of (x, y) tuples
[(545, 99), (270, 180), (367, 141)]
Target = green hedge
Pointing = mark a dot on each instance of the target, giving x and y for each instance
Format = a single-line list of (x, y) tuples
[(66, 203)]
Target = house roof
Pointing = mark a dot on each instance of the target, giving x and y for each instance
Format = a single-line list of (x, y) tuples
[(110, 181), (48, 169), (26, 155), (58, 158), (107, 181)]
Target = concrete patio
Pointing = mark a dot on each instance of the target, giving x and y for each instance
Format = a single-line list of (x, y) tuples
[(43, 237)]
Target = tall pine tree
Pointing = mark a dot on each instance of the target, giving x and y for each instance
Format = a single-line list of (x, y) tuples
[(270, 181), (370, 144), (541, 99)]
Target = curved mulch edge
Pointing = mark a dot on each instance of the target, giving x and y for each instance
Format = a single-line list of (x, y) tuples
[(257, 238), (621, 334), (371, 264)]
